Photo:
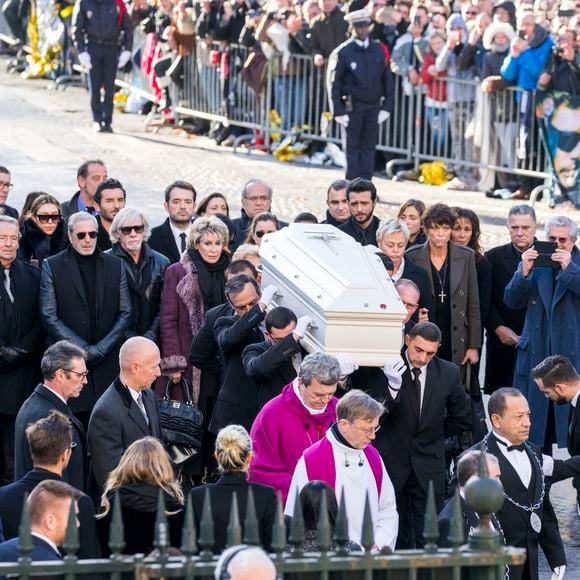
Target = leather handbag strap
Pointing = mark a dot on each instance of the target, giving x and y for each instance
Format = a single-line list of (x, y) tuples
[(468, 377), (186, 390)]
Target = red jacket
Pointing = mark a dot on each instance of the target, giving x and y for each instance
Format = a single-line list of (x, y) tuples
[(436, 88)]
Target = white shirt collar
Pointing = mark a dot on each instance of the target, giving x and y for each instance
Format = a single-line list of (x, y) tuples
[(362, 43), (134, 394), (574, 401), (396, 277), (177, 235), (47, 540), (297, 392), (500, 438), (55, 393)]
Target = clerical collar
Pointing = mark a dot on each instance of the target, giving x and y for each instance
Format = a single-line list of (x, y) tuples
[(574, 401), (339, 436), (362, 43)]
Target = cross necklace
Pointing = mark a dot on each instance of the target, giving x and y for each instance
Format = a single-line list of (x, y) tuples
[(442, 295)]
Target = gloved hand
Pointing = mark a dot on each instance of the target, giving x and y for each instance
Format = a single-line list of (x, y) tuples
[(94, 355), (383, 116), (558, 572), (123, 58), (85, 60), (12, 354), (347, 366), (268, 294), (342, 120), (394, 369), (302, 325)]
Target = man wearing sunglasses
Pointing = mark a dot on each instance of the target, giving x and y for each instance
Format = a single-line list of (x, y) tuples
[(84, 298), (20, 336)]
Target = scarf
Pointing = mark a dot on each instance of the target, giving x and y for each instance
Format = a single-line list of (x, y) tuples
[(212, 278)]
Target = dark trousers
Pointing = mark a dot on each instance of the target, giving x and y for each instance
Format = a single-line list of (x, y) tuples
[(102, 75), (411, 504), (15, 13), (7, 448), (361, 139)]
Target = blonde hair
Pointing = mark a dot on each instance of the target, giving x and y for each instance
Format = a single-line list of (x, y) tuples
[(232, 448), (144, 461), (246, 251), (207, 225)]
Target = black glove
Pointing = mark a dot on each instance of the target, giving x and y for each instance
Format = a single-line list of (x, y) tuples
[(94, 356), (13, 355)]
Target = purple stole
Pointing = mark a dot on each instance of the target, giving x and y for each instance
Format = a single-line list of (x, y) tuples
[(319, 462)]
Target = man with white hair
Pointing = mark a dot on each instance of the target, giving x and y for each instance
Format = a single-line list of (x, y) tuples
[(551, 296), (244, 562), (84, 298), (144, 268)]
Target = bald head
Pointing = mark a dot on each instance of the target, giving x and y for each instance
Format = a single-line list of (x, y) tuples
[(139, 360), (245, 563)]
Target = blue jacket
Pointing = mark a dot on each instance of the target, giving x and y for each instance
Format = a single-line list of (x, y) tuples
[(552, 326), (41, 551), (524, 70)]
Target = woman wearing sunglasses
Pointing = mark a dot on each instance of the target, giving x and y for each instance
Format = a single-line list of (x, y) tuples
[(262, 224), (144, 268), (43, 231)]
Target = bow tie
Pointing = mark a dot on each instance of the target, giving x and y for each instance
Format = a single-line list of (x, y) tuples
[(519, 447)]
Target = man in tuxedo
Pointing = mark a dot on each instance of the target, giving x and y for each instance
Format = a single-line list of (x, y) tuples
[(84, 298), (467, 468), (170, 238), (362, 224), (89, 175), (237, 401), (127, 410), (51, 445), (21, 338), (557, 378), (504, 325), (425, 401), (49, 505), (526, 517), (64, 376), (274, 363)]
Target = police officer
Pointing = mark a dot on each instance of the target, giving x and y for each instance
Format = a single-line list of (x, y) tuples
[(361, 87), (103, 35)]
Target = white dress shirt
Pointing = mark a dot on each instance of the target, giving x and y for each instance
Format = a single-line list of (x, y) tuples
[(518, 459), (177, 235), (399, 273)]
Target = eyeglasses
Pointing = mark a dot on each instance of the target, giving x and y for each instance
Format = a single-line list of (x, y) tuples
[(44, 218), (559, 240), (261, 234), (83, 235), (6, 185), (126, 230), (369, 430), (83, 375)]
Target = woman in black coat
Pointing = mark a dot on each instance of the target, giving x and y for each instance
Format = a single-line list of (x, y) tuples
[(144, 471), (43, 232), (233, 452)]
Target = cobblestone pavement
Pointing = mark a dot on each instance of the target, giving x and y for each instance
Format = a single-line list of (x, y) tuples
[(45, 135)]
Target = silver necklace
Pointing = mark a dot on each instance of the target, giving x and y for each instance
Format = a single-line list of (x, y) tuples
[(535, 520), (442, 295)]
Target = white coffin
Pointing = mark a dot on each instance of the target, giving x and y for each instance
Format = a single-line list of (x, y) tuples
[(325, 274)]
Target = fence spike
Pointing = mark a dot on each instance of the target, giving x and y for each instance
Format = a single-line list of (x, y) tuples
[(296, 539), (234, 528), (431, 530), (323, 532), (456, 532), (116, 529), (482, 470), (368, 533), (279, 529), (341, 526), (25, 545), (251, 526), (71, 540), (206, 535), (188, 535), (161, 540)]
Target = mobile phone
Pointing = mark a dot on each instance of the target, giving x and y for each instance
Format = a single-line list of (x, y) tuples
[(522, 34), (545, 251)]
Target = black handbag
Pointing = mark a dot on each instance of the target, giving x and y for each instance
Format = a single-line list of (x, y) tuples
[(181, 423)]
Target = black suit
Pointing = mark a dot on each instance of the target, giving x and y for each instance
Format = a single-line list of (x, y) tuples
[(19, 327), (418, 275), (163, 241), (570, 467), (41, 551), (413, 445), (237, 401), (66, 315), (221, 494), (116, 422), (12, 496), (37, 406), (515, 522), (363, 237), (501, 359), (270, 366), (9, 211), (71, 206)]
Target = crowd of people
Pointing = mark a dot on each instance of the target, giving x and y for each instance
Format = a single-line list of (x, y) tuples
[(104, 316), (460, 56)]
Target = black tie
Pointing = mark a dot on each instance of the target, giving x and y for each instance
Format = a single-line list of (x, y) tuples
[(182, 236), (417, 383)]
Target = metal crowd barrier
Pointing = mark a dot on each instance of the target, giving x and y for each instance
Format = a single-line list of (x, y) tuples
[(481, 131)]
